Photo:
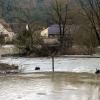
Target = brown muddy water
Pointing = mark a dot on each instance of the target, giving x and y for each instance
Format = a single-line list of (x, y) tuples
[(49, 86)]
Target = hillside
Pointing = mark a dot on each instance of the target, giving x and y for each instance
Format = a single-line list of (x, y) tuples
[(10, 8)]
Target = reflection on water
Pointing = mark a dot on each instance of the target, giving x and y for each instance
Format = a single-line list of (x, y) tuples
[(47, 87)]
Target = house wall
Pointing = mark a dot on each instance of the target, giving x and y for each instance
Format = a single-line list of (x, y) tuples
[(44, 33), (8, 35)]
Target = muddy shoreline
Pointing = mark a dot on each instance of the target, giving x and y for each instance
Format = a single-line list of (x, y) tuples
[(8, 69)]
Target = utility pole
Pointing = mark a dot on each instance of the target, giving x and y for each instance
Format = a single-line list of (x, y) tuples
[(53, 69)]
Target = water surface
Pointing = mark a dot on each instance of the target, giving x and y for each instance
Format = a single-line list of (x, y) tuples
[(61, 64), (48, 86)]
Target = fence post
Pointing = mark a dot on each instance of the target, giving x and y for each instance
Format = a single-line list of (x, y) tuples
[(53, 69)]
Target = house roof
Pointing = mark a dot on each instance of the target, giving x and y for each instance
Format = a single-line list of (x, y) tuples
[(5, 25), (2, 29), (54, 29)]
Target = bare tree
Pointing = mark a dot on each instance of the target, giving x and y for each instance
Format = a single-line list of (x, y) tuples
[(85, 38), (59, 16), (92, 11)]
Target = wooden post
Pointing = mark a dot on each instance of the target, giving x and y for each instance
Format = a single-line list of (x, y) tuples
[(53, 63)]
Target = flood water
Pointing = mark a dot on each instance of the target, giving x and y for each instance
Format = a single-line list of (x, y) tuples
[(49, 86), (61, 64), (64, 84)]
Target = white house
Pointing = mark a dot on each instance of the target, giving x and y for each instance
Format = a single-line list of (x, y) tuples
[(8, 35), (54, 30), (50, 34), (51, 31)]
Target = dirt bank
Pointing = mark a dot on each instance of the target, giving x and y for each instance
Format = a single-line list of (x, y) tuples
[(6, 68)]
